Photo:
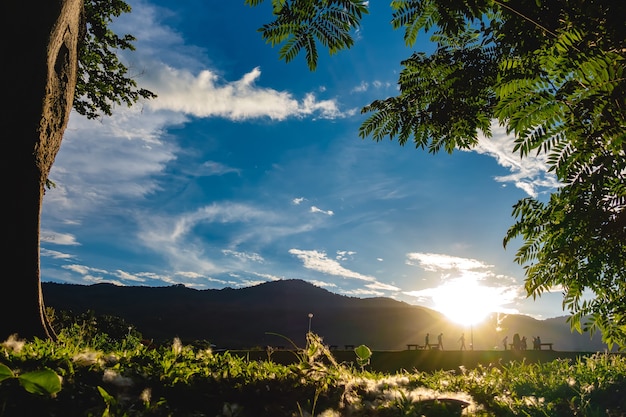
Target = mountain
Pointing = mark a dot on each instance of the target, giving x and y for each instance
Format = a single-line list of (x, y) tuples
[(277, 314)]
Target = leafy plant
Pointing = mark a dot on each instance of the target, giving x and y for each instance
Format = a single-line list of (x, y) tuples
[(40, 382), (363, 355)]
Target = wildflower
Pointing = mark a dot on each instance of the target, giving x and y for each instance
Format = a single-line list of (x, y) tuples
[(85, 358), (571, 381), (12, 343), (177, 346), (116, 379), (145, 395), (587, 388)]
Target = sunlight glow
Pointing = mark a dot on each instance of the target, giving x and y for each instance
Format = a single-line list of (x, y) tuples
[(466, 301)]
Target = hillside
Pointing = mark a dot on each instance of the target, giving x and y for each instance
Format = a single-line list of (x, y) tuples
[(255, 316)]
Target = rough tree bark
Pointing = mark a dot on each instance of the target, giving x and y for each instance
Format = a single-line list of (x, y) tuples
[(39, 50)]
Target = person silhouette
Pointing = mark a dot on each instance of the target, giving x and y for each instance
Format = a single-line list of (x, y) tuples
[(505, 341), (440, 341), (462, 340), (427, 341), (516, 342)]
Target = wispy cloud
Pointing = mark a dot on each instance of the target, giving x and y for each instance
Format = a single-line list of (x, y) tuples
[(319, 261), (530, 173), (244, 256), (115, 159), (209, 168), (441, 262), (58, 238), (55, 254), (382, 286)]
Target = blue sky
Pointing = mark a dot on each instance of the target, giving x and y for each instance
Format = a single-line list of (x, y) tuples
[(246, 169)]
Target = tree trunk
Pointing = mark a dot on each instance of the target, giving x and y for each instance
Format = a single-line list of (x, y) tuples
[(40, 59)]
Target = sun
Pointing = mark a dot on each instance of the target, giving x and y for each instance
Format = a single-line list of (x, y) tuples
[(466, 301)]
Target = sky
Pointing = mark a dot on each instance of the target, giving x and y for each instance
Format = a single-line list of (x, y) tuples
[(246, 169)]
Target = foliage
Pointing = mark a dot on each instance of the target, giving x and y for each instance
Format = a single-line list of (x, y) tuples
[(363, 355), (42, 382), (300, 24), (103, 79), (552, 73), (94, 329), (132, 379)]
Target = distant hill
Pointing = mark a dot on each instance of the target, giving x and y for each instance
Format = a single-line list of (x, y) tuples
[(253, 316)]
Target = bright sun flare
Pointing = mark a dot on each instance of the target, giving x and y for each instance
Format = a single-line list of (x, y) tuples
[(466, 302)]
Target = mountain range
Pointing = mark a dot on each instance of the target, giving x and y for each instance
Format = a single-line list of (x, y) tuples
[(277, 314)]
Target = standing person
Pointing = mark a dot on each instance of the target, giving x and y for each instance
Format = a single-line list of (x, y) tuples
[(517, 342), (440, 341), (524, 343), (505, 341), (427, 341), (462, 340)]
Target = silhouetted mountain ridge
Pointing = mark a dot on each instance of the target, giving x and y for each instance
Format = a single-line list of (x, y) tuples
[(253, 316)]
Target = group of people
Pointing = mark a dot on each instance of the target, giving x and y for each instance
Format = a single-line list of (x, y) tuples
[(520, 343), (439, 345)]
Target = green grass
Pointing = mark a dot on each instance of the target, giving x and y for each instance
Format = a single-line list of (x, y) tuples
[(98, 376)]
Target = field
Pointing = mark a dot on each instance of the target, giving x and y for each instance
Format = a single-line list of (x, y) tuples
[(92, 375), (427, 360)]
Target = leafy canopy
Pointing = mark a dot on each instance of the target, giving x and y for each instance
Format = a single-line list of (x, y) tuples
[(553, 73), (103, 80)]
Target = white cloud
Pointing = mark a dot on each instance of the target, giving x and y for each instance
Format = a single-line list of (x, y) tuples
[(343, 255), (210, 168), (322, 284), (382, 286), (117, 158), (244, 256), (180, 75), (318, 261), (173, 237), (129, 277), (208, 95), (319, 210), (529, 174), (49, 236), (81, 269), (177, 240), (439, 262), (55, 254), (361, 87), (363, 292), (297, 201)]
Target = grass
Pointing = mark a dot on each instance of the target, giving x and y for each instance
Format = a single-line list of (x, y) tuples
[(100, 376)]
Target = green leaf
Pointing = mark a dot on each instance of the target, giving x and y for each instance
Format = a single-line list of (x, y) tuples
[(41, 382), (5, 372), (363, 353)]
